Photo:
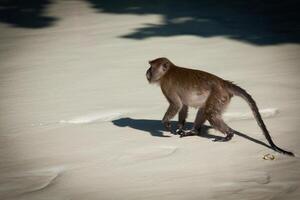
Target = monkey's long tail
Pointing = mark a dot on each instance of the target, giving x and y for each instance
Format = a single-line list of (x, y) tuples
[(238, 91)]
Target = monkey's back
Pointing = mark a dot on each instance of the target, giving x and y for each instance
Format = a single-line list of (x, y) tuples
[(194, 86), (186, 78)]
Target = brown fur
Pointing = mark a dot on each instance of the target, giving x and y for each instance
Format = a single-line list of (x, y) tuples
[(185, 87)]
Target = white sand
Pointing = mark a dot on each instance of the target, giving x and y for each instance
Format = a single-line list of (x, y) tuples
[(62, 85)]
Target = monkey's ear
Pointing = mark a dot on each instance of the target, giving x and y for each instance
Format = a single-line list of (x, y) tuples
[(166, 66)]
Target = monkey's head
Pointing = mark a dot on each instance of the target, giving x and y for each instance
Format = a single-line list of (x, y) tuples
[(158, 68)]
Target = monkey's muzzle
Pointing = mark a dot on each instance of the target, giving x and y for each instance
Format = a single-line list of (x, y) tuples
[(148, 74)]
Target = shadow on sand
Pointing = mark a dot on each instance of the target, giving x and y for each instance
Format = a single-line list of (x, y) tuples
[(26, 14), (155, 128), (259, 22)]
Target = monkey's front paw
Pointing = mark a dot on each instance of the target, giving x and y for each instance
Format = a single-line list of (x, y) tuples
[(189, 133), (168, 126), (179, 131)]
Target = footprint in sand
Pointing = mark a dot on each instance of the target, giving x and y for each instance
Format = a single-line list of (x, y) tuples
[(103, 116), (265, 113), (27, 182), (147, 154), (257, 177)]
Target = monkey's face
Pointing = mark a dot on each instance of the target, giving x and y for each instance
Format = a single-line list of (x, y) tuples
[(156, 71)]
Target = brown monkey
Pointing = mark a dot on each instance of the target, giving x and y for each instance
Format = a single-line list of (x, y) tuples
[(184, 87)]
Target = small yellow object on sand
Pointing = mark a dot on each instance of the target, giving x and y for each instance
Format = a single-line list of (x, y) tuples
[(268, 157)]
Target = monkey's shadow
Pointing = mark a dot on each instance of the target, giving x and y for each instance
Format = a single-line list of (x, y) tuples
[(155, 128)]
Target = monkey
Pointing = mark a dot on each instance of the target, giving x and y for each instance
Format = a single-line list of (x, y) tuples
[(210, 94)]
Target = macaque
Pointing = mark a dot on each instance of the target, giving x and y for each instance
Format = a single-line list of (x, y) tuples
[(210, 94)]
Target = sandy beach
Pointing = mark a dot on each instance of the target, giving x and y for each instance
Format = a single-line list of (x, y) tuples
[(79, 119)]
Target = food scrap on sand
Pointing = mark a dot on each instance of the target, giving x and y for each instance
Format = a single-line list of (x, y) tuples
[(268, 157)]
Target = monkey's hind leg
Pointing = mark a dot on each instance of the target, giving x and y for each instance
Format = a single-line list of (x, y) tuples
[(181, 119), (217, 122), (199, 121)]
